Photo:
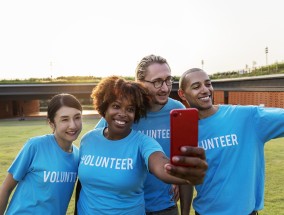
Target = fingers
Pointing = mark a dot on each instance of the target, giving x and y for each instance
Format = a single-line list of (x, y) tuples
[(191, 166), (192, 175), (175, 192), (191, 156), (187, 161), (193, 151)]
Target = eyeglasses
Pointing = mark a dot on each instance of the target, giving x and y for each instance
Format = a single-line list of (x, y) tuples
[(159, 82)]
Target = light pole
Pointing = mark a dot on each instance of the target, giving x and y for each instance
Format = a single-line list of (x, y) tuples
[(50, 66), (266, 54), (253, 65), (202, 63)]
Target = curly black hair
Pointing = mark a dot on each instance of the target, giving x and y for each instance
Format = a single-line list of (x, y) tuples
[(114, 87)]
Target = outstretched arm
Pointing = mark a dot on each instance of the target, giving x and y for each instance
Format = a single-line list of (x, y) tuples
[(5, 191)]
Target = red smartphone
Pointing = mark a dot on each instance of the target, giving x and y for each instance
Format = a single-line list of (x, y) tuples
[(183, 129)]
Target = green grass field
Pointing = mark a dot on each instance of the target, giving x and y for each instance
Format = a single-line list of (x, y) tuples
[(15, 133)]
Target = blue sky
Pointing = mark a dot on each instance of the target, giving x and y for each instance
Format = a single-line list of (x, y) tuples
[(44, 38)]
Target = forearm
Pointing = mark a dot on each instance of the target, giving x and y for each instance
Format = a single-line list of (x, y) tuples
[(4, 197), (77, 194), (186, 194), (5, 191)]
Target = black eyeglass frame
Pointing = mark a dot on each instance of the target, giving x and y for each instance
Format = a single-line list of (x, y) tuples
[(159, 83)]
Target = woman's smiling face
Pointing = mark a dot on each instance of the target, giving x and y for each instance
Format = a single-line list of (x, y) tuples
[(120, 116)]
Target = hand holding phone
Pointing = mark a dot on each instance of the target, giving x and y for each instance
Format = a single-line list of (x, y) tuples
[(183, 129)]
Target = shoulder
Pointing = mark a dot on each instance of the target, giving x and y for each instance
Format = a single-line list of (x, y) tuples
[(39, 140), (175, 103), (75, 148), (146, 143), (91, 135), (38, 143), (243, 110), (95, 131), (102, 123), (142, 137), (172, 104), (237, 107)]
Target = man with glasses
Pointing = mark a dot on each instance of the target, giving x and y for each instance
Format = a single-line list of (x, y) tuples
[(155, 73)]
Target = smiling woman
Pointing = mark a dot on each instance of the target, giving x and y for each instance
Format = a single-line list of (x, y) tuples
[(117, 153), (35, 178)]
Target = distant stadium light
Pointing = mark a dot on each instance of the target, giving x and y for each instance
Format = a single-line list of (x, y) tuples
[(266, 55)]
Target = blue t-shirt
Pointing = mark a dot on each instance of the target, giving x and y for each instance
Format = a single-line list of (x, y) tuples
[(157, 194), (234, 139), (46, 177), (112, 173)]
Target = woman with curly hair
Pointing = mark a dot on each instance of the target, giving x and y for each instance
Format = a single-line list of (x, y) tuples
[(114, 160)]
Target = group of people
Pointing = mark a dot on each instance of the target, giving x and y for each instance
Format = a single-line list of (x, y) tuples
[(122, 165)]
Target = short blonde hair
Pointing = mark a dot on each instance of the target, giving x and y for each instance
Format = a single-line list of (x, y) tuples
[(143, 65)]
